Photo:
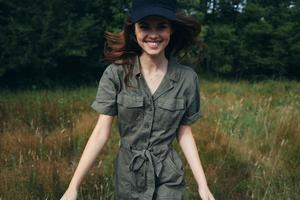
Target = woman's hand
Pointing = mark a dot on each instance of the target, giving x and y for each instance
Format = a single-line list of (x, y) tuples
[(205, 194), (70, 194)]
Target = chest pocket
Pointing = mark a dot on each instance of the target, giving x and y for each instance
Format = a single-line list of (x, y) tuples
[(169, 112), (130, 107), (171, 104)]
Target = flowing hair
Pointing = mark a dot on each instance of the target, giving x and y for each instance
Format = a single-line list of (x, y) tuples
[(122, 48)]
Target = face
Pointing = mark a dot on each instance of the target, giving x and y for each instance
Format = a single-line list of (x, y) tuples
[(153, 35)]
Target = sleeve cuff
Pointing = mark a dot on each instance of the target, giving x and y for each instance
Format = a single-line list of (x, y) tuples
[(106, 110), (190, 120)]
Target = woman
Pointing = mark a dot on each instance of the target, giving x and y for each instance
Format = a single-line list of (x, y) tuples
[(155, 99)]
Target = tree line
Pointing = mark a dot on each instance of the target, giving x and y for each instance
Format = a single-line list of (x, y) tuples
[(50, 42)]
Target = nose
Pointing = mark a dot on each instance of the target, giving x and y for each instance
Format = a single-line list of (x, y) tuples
[(153, 33)]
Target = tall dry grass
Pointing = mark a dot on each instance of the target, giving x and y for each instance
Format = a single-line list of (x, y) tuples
[(248, 139)]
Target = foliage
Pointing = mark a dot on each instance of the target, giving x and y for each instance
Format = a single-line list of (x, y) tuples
[(253, 41), (58, 42), (43, 39)]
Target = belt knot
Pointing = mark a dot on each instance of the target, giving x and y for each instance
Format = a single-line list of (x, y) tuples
[(153, 156)]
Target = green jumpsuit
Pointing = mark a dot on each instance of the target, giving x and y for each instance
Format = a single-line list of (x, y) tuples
[(147, 167)]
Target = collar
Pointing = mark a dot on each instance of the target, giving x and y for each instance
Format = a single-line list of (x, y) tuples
[(172, 71)]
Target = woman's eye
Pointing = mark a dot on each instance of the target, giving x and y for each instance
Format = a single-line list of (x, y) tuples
[(143, 27), (162, 27)]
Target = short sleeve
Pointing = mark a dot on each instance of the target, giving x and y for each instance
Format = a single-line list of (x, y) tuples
[(106, 97), (192, 112)]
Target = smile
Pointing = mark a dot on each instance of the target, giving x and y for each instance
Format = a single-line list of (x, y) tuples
[(153, 44)]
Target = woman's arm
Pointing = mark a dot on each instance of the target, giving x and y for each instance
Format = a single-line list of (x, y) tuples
[(97, 140), (189, 148)]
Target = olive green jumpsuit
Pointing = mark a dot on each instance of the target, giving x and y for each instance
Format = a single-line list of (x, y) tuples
[(147, 167)]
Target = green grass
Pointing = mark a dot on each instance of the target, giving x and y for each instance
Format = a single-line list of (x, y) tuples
[(248, 140)]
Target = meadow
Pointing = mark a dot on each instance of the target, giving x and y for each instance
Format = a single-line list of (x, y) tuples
[(248, 141)]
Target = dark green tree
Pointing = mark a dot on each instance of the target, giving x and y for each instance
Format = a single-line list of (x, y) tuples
[(54, 39)]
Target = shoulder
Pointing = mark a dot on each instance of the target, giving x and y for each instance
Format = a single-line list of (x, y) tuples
[(113, 71), (187, 73), (112, 68), (187, 70)]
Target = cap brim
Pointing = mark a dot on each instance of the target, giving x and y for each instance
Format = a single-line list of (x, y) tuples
[(152, 11)]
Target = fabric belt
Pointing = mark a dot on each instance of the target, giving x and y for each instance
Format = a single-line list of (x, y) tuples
[(154, 155)]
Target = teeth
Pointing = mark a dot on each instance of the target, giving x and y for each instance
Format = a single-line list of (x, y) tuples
[(153, 44)]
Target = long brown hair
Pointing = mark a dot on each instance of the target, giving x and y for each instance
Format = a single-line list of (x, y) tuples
[(122, 48)]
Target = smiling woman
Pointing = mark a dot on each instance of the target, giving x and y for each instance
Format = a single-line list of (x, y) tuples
[(155, 98), (122, 48), (153, 35)]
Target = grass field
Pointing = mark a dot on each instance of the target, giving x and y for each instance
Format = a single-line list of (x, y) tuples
[(248, 140)]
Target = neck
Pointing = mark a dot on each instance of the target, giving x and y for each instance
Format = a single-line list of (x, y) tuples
[(153, 63)]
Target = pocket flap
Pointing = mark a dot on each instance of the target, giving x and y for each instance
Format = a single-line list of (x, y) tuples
[(171, 104), (130, 101)]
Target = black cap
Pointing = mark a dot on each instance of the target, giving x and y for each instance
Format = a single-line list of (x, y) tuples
[(144, 8)]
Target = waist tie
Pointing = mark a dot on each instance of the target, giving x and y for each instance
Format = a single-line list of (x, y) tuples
[(154, 155)]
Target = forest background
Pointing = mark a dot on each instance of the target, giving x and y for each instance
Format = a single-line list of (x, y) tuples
[(60, 42), (51, 60)]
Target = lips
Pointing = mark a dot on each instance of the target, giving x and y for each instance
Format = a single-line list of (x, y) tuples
[(153, 44)]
